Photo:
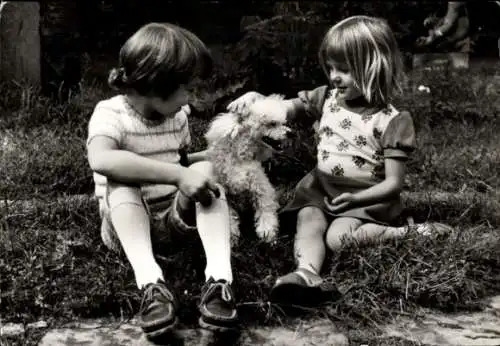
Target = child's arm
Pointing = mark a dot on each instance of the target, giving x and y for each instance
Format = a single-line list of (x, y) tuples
[(391, 186), (242, 104), (306, 108), (398, 140), (197, 156), (107, 159)]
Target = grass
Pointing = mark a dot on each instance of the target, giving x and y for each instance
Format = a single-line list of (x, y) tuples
[(54, 266)]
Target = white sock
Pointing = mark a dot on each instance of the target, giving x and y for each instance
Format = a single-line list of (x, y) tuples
[(309, 268), (213, 225), (132, 226)]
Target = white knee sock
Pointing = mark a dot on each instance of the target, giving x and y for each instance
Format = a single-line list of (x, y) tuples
[(132, 226), (213, 225)]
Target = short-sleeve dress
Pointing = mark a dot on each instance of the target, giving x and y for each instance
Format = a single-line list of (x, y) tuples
[(351, 150)]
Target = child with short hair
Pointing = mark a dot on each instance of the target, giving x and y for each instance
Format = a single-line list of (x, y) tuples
[(135, 141), (364, 141)]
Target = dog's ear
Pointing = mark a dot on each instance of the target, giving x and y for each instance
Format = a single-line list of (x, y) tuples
[(223, 125), (276, 97)]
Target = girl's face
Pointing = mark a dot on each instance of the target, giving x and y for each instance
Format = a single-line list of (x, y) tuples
[(172, 104), (340, 78)]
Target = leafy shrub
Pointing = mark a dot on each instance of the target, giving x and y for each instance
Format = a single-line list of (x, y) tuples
[(280, 53)]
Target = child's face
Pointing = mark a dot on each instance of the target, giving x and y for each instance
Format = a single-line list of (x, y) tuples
[(341, 78), (172, 104)]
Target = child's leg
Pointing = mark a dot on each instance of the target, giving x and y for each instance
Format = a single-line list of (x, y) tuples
[(217, 305), (213, 224), (302, 286), (309, 245), (342, 229), (131, 222), (371, 232)]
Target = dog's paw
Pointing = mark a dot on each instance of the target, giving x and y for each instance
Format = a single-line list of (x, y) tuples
[(267, 227)]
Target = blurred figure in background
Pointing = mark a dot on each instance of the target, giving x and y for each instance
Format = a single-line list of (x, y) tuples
[(448, 35)]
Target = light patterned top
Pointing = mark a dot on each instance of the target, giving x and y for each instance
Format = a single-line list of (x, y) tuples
[(116, 119), (354, 145)]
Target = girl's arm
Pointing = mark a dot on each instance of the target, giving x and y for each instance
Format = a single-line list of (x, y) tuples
[(391, 186), (197, 156), (296, 109), (397, 140), (107, 159)]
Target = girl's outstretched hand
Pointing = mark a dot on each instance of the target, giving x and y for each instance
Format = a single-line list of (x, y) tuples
[(241, 104), (341, 203)]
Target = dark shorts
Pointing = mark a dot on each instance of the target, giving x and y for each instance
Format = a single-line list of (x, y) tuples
[(315, 186)]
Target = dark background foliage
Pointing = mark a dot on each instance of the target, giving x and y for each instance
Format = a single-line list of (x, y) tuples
[(104, 24), (276, 54)]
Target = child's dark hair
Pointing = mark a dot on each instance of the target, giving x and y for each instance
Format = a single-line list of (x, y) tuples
[(158, 59)]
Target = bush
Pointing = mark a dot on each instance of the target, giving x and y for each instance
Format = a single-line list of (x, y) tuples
[(280, 54)]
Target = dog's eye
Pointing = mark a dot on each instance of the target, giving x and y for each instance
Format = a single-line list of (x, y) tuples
[(273, 123)]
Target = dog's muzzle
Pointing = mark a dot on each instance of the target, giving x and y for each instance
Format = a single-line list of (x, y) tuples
[(273, 143)]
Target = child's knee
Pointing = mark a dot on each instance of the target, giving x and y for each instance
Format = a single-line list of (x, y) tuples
[(340, 231), (117, 194), (311, 220)]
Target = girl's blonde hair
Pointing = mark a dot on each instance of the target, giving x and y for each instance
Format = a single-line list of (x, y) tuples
[(368, 46), (159, 58)]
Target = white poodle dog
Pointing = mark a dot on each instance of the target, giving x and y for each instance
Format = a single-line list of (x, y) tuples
[(237, 145)]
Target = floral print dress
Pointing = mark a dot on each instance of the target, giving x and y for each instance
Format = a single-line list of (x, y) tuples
[(352, 148)]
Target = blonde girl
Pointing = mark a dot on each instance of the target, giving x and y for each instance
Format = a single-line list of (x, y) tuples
[(353, 193)]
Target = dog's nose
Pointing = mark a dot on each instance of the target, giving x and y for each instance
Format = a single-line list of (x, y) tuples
[(290, 133)]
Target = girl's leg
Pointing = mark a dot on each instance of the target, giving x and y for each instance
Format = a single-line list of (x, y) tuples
[(309, 246), (376, 232), (131, 222), (342, 229), (302, 286), (371, 232)]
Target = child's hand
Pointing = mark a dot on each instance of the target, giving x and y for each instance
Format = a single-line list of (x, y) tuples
[(186, 109), (198, 187), (341, 203), (241, 104)]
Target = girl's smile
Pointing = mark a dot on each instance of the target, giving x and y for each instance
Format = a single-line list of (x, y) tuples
[(341, 78)]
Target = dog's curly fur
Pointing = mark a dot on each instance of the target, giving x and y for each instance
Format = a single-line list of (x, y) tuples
[(236, 148)]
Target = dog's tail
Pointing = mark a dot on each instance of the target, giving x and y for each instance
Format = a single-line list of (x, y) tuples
[(223, 125)]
